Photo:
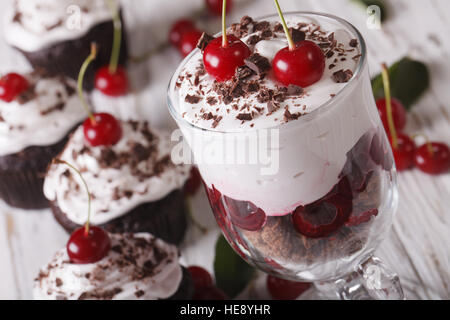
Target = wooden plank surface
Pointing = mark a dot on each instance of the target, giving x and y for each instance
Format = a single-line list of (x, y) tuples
[(418, 247)]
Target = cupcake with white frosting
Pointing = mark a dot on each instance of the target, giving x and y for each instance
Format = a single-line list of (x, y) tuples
[(56, 34), (134, 184), (37, 112), (136, 267)]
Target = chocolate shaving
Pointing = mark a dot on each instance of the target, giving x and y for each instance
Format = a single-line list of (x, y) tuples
[(342, 76), (272, 107), (254, 39), (293, 90), (245, 116), (259, 64), (211, 101), (192, 99), (245, 21), (353, 43), (216, 121), (297, 35), (288, 116), (204, 40), (244, 72)]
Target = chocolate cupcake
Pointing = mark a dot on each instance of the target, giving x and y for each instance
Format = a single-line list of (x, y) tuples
[(34, 126), (135, 186), (137, 267), (56, 34)]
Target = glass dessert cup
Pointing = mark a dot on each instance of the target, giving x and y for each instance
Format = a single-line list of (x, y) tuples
[(311, 199)]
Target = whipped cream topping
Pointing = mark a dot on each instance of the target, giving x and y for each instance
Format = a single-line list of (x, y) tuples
[(40, 116), (202, 101), (137, 267), (138, 169), (32, 25), (310, 150), (124, 107)]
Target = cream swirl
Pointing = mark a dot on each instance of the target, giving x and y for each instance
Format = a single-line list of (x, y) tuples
[(137, 266), (41, 116), (31, 25), (138, 169)]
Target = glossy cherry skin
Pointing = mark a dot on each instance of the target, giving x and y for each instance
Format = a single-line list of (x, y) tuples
[(398, 113), (178, 29), (302, 66), (209, 293), (189, 41), (201, 277), (84, 249), (106, 131), (404, 153), (11, 85), (435, 162), (222, 62), (215, 6), (281, 289), (112, 84)]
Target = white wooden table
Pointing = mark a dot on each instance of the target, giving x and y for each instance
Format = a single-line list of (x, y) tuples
[(418, 247)]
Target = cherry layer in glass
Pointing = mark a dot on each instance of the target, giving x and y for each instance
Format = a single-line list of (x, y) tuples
[(301, 180)]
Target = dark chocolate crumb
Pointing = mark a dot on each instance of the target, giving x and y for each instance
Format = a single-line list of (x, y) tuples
[(342, 76), (204, 40), (192, 99)]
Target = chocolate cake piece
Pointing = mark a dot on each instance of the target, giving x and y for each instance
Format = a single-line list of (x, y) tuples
[(22, 176), (67, 57)]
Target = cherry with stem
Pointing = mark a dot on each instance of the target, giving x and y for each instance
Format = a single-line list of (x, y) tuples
[(301, 64), (86, 244), (223, 55), (100, 129), (112, 80), (432, 157), (402, 146)]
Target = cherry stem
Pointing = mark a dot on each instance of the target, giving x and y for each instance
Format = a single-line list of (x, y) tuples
[(390, 117), (117, 40), (427, 141), (83, 70), (224, 24), (86, 228), (285, 27)]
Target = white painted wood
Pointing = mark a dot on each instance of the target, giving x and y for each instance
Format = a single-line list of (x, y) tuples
[(418, 247)]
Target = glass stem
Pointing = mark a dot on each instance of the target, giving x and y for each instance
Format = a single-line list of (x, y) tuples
[(371, 280)]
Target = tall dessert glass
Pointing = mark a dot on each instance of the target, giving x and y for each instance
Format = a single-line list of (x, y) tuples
[(308, 199)]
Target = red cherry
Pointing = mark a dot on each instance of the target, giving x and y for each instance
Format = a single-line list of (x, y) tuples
[(222, 62), (83, 249), (193, 183), (281, 289), (179, 28), (11, 85), (398, 113), (201, 277), (302, 66), (209, 293), (106, 130), (215, 6), (112, 84), (435, 162), (323, 217), (189, 41), (404, 153)]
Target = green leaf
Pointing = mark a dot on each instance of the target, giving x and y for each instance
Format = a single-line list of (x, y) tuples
[(379, 3), (232, 273), (409, 80)]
